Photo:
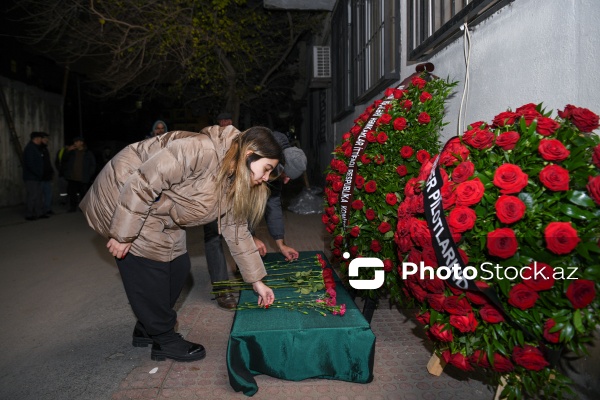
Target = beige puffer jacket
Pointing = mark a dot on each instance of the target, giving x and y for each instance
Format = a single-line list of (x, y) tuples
[(151, 190)]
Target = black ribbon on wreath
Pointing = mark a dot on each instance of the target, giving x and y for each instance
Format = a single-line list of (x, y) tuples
[(446, 252)]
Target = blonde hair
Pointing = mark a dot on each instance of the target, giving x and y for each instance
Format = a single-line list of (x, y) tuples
[(248, 201)]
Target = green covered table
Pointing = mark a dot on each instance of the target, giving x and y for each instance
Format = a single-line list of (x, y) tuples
[(288, 344)]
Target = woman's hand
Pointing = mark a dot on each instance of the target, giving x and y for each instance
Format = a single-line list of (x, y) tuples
[(260, 245), (118, 249), (266, 297)]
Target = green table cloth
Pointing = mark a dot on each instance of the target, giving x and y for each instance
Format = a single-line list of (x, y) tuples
[(288, 344)]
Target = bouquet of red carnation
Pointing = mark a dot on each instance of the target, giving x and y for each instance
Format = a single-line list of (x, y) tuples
[(388, 143), (519, 199)]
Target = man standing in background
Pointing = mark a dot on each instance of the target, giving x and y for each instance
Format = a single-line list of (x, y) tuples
[(80, 166), (33, 173), (47, 176)]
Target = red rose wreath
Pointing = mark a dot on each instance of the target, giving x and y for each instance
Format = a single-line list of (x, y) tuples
[(520, 199)]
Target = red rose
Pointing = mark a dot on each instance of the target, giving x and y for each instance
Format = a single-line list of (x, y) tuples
[(462, 218), (424, 317), (324, 219), (502, 243), (375, 246), (552, 337), (433, 285), (417, 291), (441, 332), (555, 178), (458, 360), (398, 93), (423, 156), (538, 276), (456, 305), (593, 188), (379, 159), (469, 193), (355, 231), (358, 204), (479, 138), (581, 292), (509, 209), (400, 124), (419, 232), (546, 126), (337, 186), (406, 151), (330, 211), (388, 265), (365, 159), (463, 171), (582, 118), (448, 196), (384, 119), (370, 214), (476, 297), (508, 140), (371, 186), (464, 323), (384, 227), (359, 182), (355, 130), (382, 137), (391, 199), (401, 170), (407, 105), (529, 357), (553, 150), (425, 96), (490, 314), (504, 118), (424, 118), (522, 297), (560, 237), (338, 241), (596, 156), (510, 178), (436, 301), (335, 219), (331, 200), (418, 82)]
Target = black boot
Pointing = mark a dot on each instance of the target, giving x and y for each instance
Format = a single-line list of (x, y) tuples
[(177, 349), (140, 336)]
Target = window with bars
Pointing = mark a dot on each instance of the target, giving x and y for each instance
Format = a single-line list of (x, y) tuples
[(365, 50), (433, 24)]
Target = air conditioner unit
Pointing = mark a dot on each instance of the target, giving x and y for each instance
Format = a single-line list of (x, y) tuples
[(321, 62)]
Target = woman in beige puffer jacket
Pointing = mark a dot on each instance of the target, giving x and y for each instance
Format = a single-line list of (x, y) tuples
[(147, 195)]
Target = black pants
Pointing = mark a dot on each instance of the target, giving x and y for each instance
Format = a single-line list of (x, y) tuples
[(152, 289), (76, 190)]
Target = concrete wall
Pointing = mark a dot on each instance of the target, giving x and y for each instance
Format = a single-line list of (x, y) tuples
[(32, 110)]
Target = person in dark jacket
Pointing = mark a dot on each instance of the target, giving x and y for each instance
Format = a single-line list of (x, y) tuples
[(79, 168), (47, 177), (33, 173)]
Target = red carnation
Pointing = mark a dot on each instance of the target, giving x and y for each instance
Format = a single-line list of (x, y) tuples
[(581, 292), (384, 227), (469, 193), (561, 237), (555, 178), (391, 199), (508, 140), (371, 186), (553, 150), (529, 357), (406, 151), (502, 243), (538, 276), (400, 123), (424, 118), (509, 209), (522, 297), (510, 178)]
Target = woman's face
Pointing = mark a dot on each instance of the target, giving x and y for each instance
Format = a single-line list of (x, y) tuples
[(261, 169)]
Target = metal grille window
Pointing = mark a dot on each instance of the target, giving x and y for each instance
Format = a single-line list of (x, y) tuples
[(375, 46), (433, 24), (341, 62)]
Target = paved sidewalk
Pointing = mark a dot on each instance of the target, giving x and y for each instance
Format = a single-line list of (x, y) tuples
[(401, 353)]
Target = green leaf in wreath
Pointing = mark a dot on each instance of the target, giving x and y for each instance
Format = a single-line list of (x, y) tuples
[(581, 199), (576, 212), (577, 321)]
